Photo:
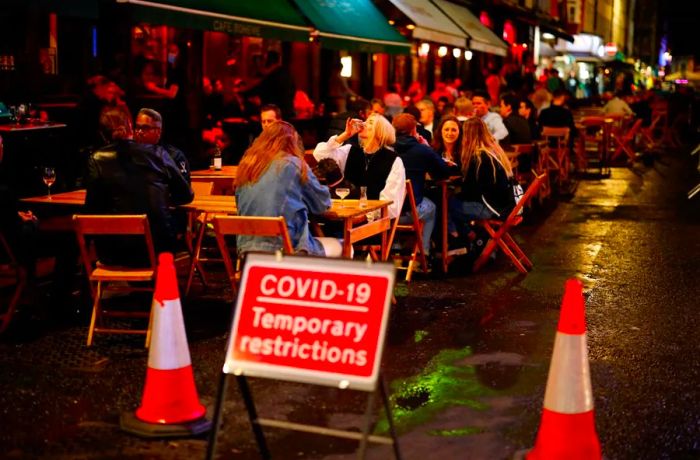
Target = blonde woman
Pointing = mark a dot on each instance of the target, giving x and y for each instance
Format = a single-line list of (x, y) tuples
[(274, 180), (486, 190), (372, 163)]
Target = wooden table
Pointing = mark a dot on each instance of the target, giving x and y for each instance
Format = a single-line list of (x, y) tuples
[(355, 226), (224, 179), (22, 127)]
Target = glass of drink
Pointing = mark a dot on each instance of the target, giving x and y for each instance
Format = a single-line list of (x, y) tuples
[(342, 192), (49, 178), (363, 196)]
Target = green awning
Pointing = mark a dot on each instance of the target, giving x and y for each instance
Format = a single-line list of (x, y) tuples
[(355, 25), (264, 18)]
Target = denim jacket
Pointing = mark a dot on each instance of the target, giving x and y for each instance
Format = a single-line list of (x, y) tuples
[(279, 192)]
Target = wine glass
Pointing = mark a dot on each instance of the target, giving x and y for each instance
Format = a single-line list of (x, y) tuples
[(342, 192), (49, 178)]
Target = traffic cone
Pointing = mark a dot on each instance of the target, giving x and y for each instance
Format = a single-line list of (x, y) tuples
[(567, 430), (170, 405)]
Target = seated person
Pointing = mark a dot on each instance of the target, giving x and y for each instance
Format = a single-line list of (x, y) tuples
[(517, 126), (448, 142), (148, 130), (371, 163), (617, 106), (418, 159), (486, 191), (274, 180), (481, 100), (126, 177), (558, 115)]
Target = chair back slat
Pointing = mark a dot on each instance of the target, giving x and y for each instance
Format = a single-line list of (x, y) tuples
[(254, 226), (204, 188), (523, 148), (111, 224)]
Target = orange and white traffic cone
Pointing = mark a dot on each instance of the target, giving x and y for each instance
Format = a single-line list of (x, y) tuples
[(567, 430), (170, 405)]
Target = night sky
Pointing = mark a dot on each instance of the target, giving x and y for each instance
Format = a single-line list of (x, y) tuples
[(680, 19)]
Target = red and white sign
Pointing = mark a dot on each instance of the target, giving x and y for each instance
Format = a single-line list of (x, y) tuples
[(311, 320)]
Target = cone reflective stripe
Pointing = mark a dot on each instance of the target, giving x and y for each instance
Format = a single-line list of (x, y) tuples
[(567, 430), (170, 395)]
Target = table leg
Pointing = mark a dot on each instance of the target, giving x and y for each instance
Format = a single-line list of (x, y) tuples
[(385, 250), (347, 244), (443, 186)]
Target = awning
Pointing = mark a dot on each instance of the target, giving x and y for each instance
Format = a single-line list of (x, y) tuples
[(354, 26), (269, 18), (556, 31), (481, 37), (431, 23)]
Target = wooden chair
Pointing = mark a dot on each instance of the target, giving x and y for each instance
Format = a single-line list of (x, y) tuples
[(254, 226), (101, 276), (624, 141), (499, 230), (560, 161), (415, 230), (13, 279), (541, 168)]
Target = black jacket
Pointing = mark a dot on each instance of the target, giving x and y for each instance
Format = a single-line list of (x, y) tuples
[(480, 186), (419, 159), (518, 130), (131, 178)]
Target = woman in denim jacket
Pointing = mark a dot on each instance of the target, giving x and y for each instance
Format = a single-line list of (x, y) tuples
[(273, 180)]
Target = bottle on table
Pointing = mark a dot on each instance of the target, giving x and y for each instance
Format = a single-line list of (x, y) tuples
[(217, 160)]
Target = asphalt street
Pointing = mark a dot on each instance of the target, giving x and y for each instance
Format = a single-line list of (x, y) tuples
[(466, 359)]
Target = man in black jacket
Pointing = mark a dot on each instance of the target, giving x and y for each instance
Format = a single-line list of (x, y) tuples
[(517, 126), (130, 178), (418, 159)]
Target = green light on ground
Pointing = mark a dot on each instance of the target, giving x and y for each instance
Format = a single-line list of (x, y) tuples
[(456, 432), (419, 335), (442, 384)]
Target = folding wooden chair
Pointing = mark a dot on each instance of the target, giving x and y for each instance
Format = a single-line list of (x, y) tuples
[(560, 161), (649, 133), (13, 279), (624, 141), (415, 230), (541, 168), (499, 232), (101, 276), (253, 226)]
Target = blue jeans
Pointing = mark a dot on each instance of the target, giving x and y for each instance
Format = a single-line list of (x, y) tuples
[(426, 213), (463, 212)]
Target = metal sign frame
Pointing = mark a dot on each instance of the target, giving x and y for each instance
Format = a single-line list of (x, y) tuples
[(243, 368)]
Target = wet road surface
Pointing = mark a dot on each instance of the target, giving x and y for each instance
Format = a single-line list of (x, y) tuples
[(466, 358)]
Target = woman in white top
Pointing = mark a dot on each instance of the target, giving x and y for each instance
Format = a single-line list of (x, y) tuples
[(372, 163)]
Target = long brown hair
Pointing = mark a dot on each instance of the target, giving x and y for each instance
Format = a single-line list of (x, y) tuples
[(476, 138), (278, 140), (438, 143)]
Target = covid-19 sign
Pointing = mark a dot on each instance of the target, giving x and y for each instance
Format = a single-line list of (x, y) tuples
[(311, 320)]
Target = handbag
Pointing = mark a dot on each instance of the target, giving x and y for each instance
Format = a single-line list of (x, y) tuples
[(518, 193)]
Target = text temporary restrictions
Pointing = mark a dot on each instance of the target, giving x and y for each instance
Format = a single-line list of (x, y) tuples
[(309, 323)]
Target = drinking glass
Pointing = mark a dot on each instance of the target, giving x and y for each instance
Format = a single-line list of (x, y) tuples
[(363, 197), (49, 178), (342, 192)]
